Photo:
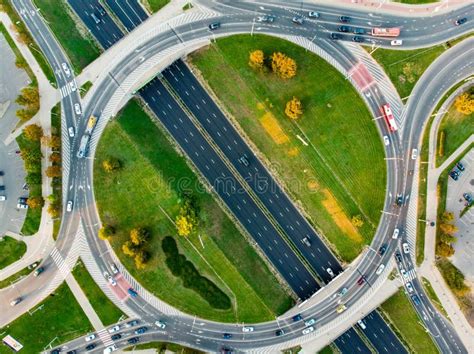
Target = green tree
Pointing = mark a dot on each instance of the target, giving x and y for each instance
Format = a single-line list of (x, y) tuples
[(53, 171), (35, 202), (129, 249), (106, 231), (111, 164), (141, 259), (33, 132)]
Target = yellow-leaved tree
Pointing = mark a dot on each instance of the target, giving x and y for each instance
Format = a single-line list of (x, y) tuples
[(283, 66), (256, 59), (293, 108), (464, 103)]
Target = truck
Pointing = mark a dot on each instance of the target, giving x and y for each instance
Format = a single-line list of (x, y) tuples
[(86, 137), (385, 32)]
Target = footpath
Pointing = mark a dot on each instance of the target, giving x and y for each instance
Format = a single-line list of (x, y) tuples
[(428, 268)]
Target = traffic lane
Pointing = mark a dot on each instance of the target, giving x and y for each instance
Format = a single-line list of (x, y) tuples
[(380, 335), (350, 342), (203, 108), (105, 31), (261, 230), (129, 12)]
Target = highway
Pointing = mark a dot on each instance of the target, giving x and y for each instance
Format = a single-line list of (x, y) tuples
[(211, 338)]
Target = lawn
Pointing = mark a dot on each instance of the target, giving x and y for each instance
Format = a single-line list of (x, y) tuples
[(416, 2), (11, 250), (456, 127), (406, 321), (341, 173), (57, 182), (80, 49), (33, 216), (15, 277), (105, 309), (85, 88), (163, 347), (154, 5), (148, 186), (59, 317), (433, 296)]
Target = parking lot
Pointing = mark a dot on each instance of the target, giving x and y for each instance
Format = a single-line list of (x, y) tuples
[(12, 80), (455, 202)]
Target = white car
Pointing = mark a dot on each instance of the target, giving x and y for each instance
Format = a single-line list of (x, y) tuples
[(247, 329), (308, 330), (110, 349), (330, 272), (73, 86), (15, 302), (403, 273), (77, 108), (66, 69), (71, 132), (2, 198), (361, 324), (309, 322), (313, 14), (114, 329), (414, 154), (160, 324), (114, 268), (396, 42), (386, 140), (409, 287), (69, 206), (111, 280), (406, 249), (380, 269), (395, 234), (90, 337), (22, 206)]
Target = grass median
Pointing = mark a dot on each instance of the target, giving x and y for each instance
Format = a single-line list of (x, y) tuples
[(11, 250), (404, 318), (341, 172), (55, 320), (79, 47), (155, 5), (148, 188)]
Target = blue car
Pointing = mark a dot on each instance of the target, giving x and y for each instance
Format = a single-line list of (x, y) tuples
[(227, 336), (141, 330), (132, 292)]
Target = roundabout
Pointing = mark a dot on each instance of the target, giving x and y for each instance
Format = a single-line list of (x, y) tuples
[(126, 77)]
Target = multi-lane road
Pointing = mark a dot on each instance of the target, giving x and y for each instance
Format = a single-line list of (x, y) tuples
[(79, 173)]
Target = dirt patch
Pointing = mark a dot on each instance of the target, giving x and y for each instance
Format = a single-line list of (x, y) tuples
[(339, 217), (273, 128)]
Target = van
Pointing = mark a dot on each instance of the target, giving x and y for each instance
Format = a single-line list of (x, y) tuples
[(97, 21)]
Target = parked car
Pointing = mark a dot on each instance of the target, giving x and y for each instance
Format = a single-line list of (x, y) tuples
[(110, 349), (359, 30), (131, 323), (454, 175), (313, 14), (3, 198), (404, 273), (460, 166), (468, 198), (90, 346), (111, 280), (114, 268), (398, 257)]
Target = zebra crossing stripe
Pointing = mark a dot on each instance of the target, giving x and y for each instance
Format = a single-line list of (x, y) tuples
[(105, 337)]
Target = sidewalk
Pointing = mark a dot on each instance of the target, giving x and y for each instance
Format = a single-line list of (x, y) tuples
[(428, 268)]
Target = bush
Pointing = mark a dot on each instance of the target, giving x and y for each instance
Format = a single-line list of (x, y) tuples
[(453, 276), (442, 138), (185, 270)]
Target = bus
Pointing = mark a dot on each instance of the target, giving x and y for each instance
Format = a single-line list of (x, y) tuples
[(389, 119), (386, 32)]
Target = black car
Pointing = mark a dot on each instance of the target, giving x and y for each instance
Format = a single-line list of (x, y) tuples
[(399, 199), (2, 188), (133, 340), (71, 352), (116, 336), (460, 166), (345, 19), (398, 257), (359, 31), (297, 318), (454, 175), (227, 336), (280, 332), (1, 173), (344, 29), (358, 39), (382, 249), (90, 346), (141, 330), (55, 351), (214, 26), (460, 21), (335, 36)]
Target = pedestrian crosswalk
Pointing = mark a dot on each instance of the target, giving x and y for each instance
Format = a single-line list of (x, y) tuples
[(67, 89), (409, 275), (105, 337)]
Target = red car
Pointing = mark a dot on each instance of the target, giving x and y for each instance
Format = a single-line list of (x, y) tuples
[(360, 281)]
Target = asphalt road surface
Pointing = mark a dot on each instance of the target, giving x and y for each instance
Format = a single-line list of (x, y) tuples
[(129, 12)]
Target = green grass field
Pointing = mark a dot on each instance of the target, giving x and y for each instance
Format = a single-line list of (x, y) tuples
[(148, 187), (342, 172), (155, 5), (433, 296), (57, 182), (457, 128), (81, 50), (406, 321), (59, 317), (33, 216), (105, 309), (11, 250), (15, 277), (416, 2)]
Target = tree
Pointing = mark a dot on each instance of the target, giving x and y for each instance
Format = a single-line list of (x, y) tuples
[(55, 157), (283, 66), (447, 217), (464, 103), (357, 221), (111, 164), (33, 132), (29, 98), (106, 231), (444, 249), (446, 238), (139, 236), (256, 59), (53, 141), (448, 229), (53, 171), (53, 210), (33, 178), (35, 202), (129, 249), (183, 225), (141, 258), (293, 108), (24, 114)]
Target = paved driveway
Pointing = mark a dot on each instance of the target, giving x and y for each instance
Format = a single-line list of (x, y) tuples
[(12, 80), (464, 256)]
